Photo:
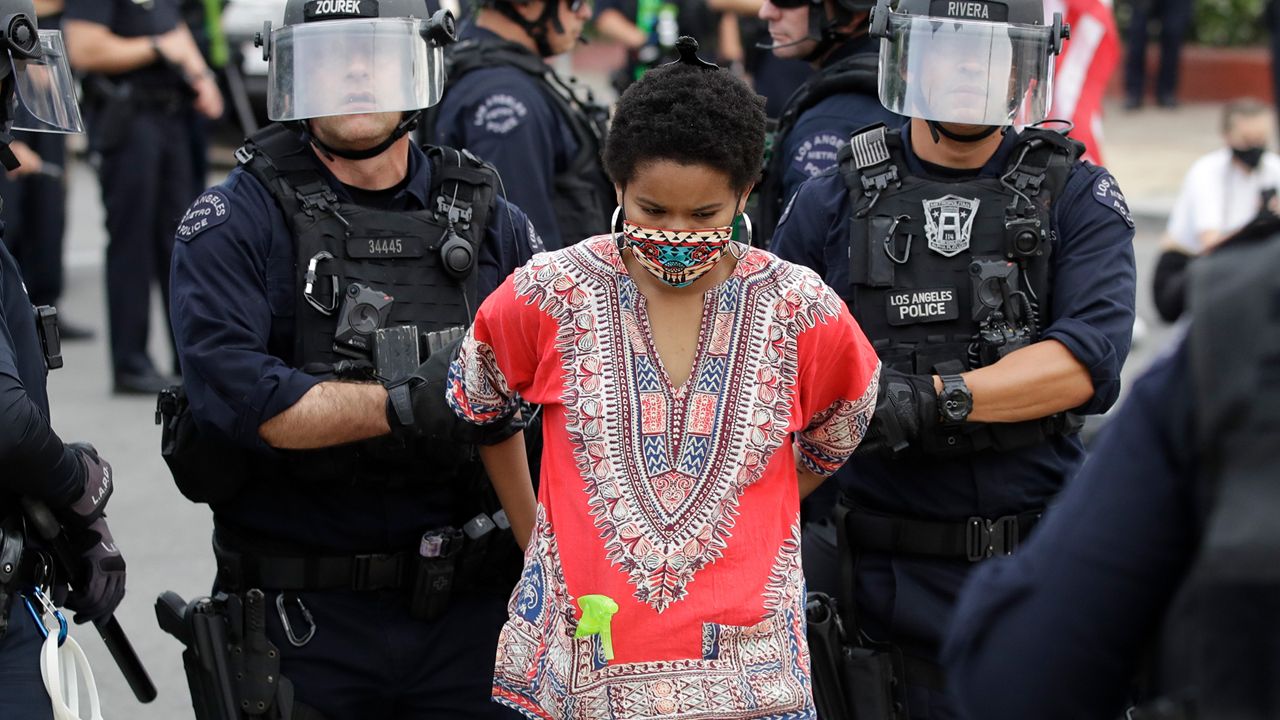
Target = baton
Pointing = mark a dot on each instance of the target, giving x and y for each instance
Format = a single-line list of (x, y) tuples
[(113, 636)]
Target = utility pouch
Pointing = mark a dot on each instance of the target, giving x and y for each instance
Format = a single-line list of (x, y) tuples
[(50, 338), (434, 582), (113, 109), (871, 684), (205, 468)]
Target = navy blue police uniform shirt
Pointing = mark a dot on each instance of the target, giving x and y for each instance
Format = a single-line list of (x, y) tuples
[(811, 146), (24, 401), (1059, 629), (128, 18), (502, 116), (233, 305), (1091, 312)]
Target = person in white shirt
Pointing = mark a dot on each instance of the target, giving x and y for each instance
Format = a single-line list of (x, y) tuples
[(1222, 192), (1224, 189)]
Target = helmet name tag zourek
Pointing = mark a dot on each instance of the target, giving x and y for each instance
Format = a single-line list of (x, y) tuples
[(329, 9)]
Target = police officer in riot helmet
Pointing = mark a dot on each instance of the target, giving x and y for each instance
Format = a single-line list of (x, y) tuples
[(1152, 582), (317, 294), (36, 466), (821, 114), (993, 271), (506, 104)]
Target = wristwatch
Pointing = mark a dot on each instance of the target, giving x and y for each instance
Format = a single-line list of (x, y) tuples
[(955, 402)]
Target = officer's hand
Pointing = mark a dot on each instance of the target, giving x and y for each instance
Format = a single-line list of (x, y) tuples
[(29, 162), (102, 573), (98, 484), (208, 100), (906, 406), (417, 409)]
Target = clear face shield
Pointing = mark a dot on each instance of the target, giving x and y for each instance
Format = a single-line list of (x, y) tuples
[(966, 72), (352, 67), (45, 90)]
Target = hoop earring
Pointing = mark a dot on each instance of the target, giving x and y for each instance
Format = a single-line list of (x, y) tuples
[(746, 223), (615, 227)]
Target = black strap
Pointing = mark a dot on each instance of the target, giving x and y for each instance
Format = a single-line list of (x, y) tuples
[(974, 539), (373, 571)]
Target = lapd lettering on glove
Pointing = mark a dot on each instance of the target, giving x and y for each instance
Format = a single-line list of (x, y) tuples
[(922, 305), (373, 248)]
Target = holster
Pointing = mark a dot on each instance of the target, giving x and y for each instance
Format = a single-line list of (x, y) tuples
[(12, 541), (851, 679), (232, 669), (111, 110), (205, 468)]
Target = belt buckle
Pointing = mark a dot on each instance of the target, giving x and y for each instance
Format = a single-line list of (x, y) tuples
[(978, 538), (375, 572), (987, 538)]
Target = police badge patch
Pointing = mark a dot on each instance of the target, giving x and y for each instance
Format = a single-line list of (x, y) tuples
[(948, 221)]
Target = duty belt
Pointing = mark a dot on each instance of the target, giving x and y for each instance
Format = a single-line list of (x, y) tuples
[(364, 572), (974, 539)]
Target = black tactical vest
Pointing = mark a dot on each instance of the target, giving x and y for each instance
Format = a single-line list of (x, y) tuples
[(1221, 650), (391, 262), (855, 74), (584, 197), (951, 276)]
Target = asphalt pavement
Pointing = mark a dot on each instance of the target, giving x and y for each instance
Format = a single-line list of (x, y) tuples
[(165, 539)]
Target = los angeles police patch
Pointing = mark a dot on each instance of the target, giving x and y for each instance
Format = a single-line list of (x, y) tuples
[(817, 153), (500, 114), (1107, 192), (211, 209)]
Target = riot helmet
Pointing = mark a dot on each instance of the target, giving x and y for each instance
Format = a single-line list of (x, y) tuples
[(827, 29), (37, 92), (355, 57), (969, 62)]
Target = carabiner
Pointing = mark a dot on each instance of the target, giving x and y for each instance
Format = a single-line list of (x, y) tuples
[(890, 245), (38, 617), (309, 279), (288, 628)]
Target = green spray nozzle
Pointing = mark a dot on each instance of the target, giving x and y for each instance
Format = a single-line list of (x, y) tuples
[(597, 614)]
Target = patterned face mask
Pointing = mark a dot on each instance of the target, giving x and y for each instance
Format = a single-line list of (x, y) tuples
[(677, 257)]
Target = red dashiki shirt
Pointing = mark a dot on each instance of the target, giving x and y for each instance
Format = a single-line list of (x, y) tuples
[(680, 504)]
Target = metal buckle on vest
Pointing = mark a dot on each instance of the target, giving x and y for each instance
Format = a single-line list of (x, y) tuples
[(456, 211), (1024, 180), (987, 538), (243, 154)]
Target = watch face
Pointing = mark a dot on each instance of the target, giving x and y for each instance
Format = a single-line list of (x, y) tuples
[(956, 405)]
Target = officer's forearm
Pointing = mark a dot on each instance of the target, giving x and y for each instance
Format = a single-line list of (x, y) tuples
[(615, 26), (331, 413), (94, 48), (508, 469), (1035, 382), (34, 459)]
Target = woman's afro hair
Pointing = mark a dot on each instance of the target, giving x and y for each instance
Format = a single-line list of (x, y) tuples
[(692, 115)]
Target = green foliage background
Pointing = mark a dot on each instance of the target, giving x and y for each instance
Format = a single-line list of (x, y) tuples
[(1220, 23)]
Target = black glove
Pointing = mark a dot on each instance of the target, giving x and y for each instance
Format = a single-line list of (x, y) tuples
[(906, 406), (418, 411), (97, 487), (100, 586)]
